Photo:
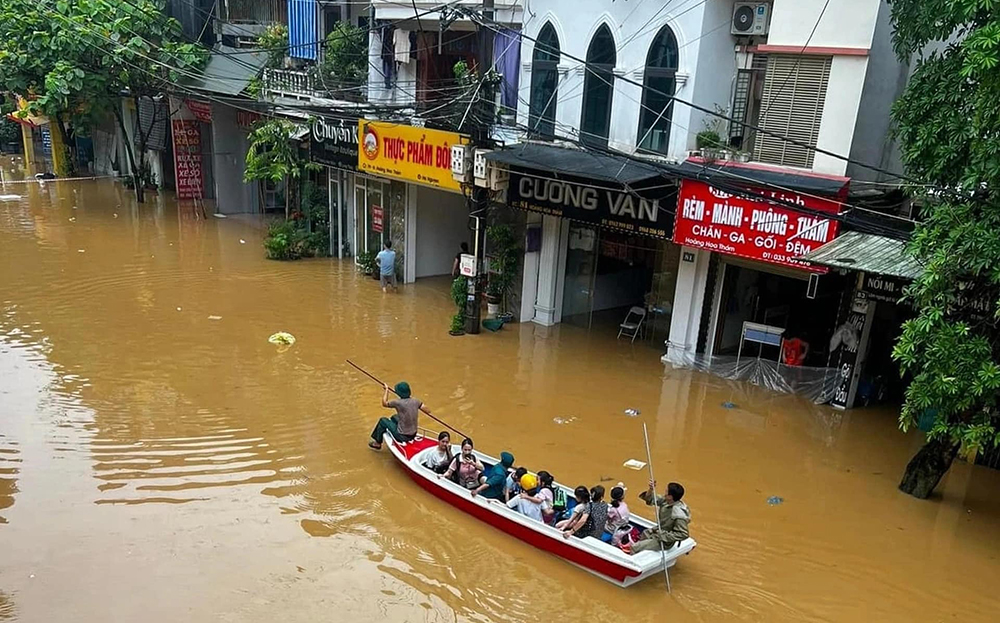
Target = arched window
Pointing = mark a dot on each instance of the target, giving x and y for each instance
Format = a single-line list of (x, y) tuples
[(658, 84), (544, 81), (598, 89)]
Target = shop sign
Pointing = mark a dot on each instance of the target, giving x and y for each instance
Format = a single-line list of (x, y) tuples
[(377, 219), (412, 154), (632, 210), (709, 218), (187, 159), (857, 318), (246, 118), (882, 287), (202, 111), (334, 142)]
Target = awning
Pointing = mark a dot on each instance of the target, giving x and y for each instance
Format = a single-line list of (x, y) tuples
[(228, 71), (867, 253), (576, 162), (764, 176)]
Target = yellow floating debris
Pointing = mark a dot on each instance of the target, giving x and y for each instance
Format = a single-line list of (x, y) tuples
[(282, 339)]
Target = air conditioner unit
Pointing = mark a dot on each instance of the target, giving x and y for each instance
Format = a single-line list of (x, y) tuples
[(751, 18), (461, 163)]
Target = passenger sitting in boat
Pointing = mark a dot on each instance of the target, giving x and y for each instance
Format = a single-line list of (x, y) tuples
[(598, 513), (618, 516), (493, 486), (674, 518), (438, 459), (525, 503), (403, 425), (579, 522), (544, 496), (466, 469), (512, 486)]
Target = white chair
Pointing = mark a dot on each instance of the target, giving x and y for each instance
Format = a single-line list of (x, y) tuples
[(630, 327)]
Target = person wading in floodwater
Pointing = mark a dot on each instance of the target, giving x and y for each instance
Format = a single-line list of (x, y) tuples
[(403, 425)]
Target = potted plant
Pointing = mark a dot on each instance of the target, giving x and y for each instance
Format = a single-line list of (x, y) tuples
[(459, 293), (503, 265), (366, 262)]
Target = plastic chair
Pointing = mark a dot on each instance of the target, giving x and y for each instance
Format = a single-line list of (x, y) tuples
[(630, 327)]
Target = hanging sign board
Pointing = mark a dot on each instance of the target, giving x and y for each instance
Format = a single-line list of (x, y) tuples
[(334, 142), (202, 111), (467, 265), (709, 218), (188, 172), (634, 209), (412, 154), (377, 218)]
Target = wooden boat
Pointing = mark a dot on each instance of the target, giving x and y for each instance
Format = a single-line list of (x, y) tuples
[(602, 559)]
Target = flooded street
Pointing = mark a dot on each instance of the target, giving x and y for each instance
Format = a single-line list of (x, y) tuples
[(161, 461)]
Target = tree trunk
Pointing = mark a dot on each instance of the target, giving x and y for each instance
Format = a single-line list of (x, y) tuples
[(927, 467), (136, 174)]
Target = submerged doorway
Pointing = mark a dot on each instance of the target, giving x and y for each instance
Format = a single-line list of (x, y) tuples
[(608, 273)]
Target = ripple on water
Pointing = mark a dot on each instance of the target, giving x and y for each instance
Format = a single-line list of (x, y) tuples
[(10, 464)]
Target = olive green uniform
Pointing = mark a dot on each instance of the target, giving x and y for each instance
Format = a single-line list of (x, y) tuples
[(674, 519)]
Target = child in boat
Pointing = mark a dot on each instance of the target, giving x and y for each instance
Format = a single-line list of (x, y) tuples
[(512, 488), (579, 522), (545, 496), (598, 513), (438, 459), (527, 504), (618, 516), (466, 469)]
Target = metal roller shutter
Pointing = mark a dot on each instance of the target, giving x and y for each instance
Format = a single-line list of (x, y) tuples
[(792, 106)]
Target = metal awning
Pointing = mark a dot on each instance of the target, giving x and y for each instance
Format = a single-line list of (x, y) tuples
[(579, 163), (228, 71), (868, 253)]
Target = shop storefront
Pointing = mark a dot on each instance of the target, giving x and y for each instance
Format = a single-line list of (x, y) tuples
[(404, 192), (333, 143), (598, 244)]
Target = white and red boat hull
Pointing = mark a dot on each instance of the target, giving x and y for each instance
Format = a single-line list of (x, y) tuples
[(601, 559)]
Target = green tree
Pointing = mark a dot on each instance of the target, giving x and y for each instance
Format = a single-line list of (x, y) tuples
[(948, 123), (73, 59), (345, 61), (274, 156)]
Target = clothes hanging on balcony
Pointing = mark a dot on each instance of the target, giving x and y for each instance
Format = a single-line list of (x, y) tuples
[(387, 53), (506, 61), (402, 46)]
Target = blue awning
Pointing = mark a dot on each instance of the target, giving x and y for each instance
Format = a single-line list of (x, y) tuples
[(303, 29)]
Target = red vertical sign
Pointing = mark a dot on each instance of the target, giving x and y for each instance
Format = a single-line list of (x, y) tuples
[(187, 159), (377, 218)]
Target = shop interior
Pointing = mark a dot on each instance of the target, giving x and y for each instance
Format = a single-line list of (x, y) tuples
[(611, 276), (778, 300)]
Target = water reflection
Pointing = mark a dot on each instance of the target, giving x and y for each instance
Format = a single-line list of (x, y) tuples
[(150, 434)]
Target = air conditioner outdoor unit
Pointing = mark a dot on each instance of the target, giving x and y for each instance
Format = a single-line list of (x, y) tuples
[(751, 18), (461, 163), (489, 174)]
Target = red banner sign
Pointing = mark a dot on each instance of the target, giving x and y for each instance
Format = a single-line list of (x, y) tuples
[(377, 219), (709, 218), (187, 159), (245, 119), (201, 110)]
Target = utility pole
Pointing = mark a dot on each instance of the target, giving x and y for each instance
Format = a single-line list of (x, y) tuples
[(481, 123)]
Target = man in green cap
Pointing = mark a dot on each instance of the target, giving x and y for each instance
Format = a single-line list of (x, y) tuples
[(403, 425), (674, 517), (496, 478)]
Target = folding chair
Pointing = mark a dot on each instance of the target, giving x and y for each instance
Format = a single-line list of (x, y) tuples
[(631, 327)]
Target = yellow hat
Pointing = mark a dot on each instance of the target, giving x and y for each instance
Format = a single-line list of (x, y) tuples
[(529, 482)]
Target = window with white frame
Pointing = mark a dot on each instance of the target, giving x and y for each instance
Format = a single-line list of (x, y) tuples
[(598, 88), (544, 83), (658, 85)]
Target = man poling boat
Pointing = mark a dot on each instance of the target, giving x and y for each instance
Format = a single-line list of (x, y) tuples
[(591, 545)]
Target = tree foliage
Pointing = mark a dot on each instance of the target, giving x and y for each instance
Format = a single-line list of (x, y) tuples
[(948, 123), (73, 59)]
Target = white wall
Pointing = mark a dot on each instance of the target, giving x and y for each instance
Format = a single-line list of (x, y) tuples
[(442, 219), (845, 24), (634, 25), (840, 112), (230, 145)]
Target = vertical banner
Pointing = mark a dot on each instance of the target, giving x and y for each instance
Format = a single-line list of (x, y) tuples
[(377, 215), (853, 353), (187, 159)]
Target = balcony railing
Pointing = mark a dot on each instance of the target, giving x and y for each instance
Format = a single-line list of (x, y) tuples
[(310, 84), (255, 11)]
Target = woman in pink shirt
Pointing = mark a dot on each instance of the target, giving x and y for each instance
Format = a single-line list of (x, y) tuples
[(618, 515)]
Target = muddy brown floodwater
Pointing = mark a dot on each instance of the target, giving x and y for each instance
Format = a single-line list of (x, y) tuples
[(157, 464)]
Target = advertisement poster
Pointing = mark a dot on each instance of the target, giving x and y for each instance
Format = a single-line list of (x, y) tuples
[(712, 219), (412, 154), (188, 173), (377, 218)]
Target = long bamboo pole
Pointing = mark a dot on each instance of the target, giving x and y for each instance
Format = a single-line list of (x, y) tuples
[(656, 508)]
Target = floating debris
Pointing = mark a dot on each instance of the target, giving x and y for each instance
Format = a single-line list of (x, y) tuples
[(217, 215), (10, 197), (282, 339), (634, 464), (728, 405), (774, 500), (632, 412), (215, 317), (81, 250), (178, 309), (559, 420), (242, 241)]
